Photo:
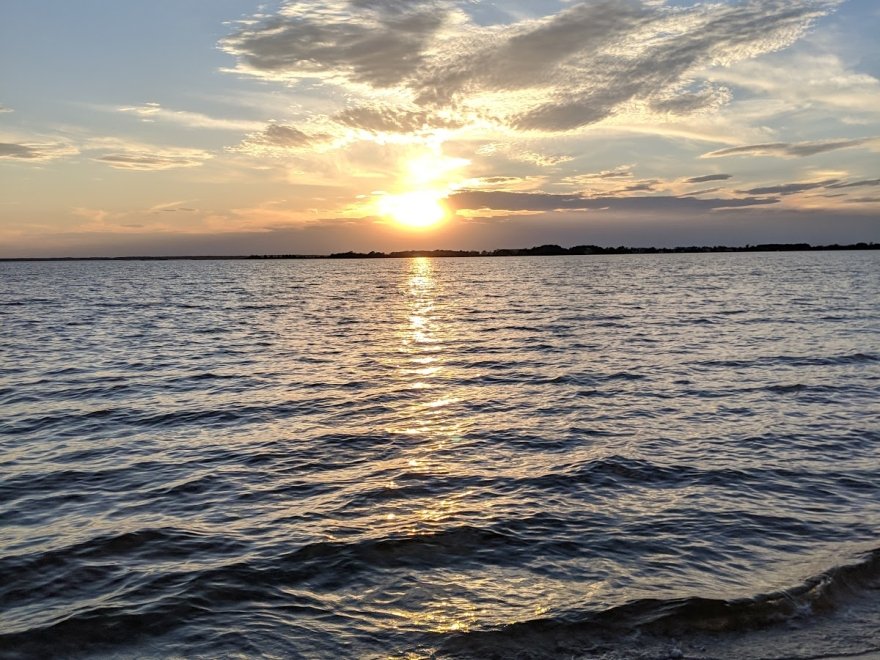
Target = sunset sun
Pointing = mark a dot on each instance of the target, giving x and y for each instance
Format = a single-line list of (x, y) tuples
[(419, 209), (426, 180)]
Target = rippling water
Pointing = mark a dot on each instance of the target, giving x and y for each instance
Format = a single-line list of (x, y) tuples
[(610, 457)]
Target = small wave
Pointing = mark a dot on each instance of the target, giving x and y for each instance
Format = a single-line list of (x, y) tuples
[(97, 420), (624, 375), (803, 388), (795, 361), (430, 548), (53, 579)]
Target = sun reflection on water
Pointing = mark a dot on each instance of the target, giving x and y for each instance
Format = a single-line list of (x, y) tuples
[(427, 418), (424, 510), (421, 338), (431, 428)]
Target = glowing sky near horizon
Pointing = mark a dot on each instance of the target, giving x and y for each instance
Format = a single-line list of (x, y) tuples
[(232, 126)]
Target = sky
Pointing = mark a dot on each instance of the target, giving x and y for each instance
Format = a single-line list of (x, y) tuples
[(176, 127)]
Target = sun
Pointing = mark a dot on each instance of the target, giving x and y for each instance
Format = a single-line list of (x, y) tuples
[(418, 209), (423, 183)]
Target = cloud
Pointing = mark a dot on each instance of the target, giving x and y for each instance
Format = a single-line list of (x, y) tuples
[(641, 186), (377, 43), (171, 207), (539, 159), (789, 149), (386, 119), (789, 188), (513, 201), (23, 151), (154, 111), (4, 109), (806, 80), (709, 177), (36, 151), (280, 140), (496, 180), (154, 159), (279, 136), (590, 61), (383, 123), (856, 184), (505, 183), (687, 103), (703, 191), (593, 58), (622, 172), (785, 189)]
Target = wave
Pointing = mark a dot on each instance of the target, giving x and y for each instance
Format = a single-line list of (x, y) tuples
[(606, 630), (151, 606), (51, 612)]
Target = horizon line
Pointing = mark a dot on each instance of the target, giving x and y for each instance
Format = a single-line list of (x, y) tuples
[(547, 250)]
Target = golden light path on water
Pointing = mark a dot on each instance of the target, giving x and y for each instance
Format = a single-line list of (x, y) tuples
[(428, 418), (452, 600)]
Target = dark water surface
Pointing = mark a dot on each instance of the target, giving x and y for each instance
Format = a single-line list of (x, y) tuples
[(600, 457)]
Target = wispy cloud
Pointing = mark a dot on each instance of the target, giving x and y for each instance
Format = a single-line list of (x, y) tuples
[(790, 149), (789, 188), (158, 158), (278, 139), (649, 185), (171, 207), (856, 184), (806, 80), (36, 152), (4, 109), (155, 112), (709, 177), (612, 176), (508, 183)]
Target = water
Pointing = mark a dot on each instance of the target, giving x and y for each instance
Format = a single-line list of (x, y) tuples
[(599, 457)]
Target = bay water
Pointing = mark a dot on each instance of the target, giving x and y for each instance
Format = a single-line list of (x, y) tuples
[(636, 456)]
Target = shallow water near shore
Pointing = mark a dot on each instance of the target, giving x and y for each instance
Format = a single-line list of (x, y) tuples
[(641, 456)]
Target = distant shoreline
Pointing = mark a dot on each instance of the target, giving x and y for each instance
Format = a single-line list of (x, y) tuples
[(537, 251)]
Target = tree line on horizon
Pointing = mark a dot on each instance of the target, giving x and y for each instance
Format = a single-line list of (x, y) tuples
[(557, 250)]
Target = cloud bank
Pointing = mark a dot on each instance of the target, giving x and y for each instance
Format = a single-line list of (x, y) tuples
[(789, 149), (512, 201), (424, 64)]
